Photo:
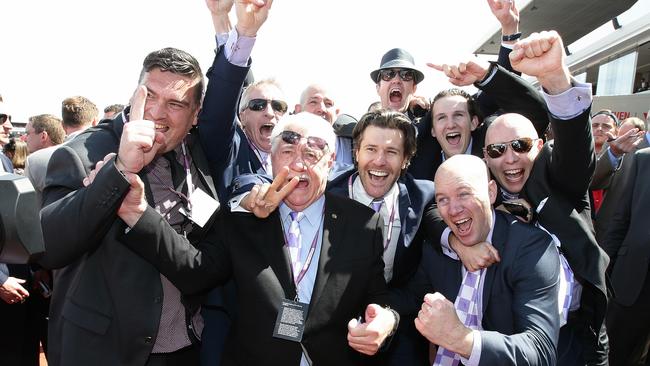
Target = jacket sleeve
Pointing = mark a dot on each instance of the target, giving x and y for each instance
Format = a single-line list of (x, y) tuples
[(217, 119), (75, 218)]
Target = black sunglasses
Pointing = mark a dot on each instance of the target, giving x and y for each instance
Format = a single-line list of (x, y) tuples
[(3, 118), (389, 74), (520, 145), (293, 138), (260, 105)]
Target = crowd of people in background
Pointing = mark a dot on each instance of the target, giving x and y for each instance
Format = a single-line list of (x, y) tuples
[(208, 222)]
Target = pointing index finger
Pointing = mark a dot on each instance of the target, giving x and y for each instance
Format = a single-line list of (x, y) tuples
[(138, 101)]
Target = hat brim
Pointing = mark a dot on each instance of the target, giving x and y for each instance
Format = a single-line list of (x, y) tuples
[(398, 64)]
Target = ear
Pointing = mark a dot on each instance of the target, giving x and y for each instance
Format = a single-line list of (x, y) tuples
[(94, 122), (297, 109), (492, 191), (195, 117), (474, 123)]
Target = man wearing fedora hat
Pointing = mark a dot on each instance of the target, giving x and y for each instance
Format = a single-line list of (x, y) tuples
[(396, 80)]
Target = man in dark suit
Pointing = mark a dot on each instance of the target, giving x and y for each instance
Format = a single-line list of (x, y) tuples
[(110, 307), (507, 314), (554, 178), (610, 173), (628, 245), (296, 260)]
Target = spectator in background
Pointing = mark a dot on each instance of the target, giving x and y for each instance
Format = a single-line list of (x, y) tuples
[(5, 130), (16, 150), (43, 130), (112, 110)]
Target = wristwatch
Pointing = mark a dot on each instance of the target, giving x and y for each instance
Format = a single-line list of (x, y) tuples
[(511, 37)]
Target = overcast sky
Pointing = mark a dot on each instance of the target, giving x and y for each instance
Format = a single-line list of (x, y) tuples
[(55, 49)]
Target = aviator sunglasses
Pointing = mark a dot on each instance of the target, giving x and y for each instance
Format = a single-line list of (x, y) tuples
[(294, 138), (520, 145), (260, 105), (389, 74)]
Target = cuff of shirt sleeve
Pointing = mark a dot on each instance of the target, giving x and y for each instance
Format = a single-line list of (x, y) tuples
[(235, 203), (238, 48), (221, 38), (446, 247), (571, 103), (613, 159), (486, 80), (475, 356)]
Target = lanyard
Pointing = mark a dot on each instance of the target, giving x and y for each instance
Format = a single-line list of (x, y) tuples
[(310, 255), (391, 219)]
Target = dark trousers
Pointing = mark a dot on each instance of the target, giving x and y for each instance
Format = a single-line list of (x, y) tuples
[(629, 329)]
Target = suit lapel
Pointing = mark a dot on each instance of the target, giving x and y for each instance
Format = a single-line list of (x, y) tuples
[(276, 252), (333, 227), (201, 165), (498, 242)]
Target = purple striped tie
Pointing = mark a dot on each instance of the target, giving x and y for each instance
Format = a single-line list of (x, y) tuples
[(294, 240), (466, 305)]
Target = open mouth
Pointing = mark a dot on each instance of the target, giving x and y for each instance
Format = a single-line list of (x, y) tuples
[(463, 225), (161, 128), (514, 175), (303, 182), (377, 175), (453, 138), (395, 96), (266, 129)]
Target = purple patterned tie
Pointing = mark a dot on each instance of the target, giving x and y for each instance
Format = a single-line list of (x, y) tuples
[(467, 309), (294, 240), (376, 204), (567, 276)]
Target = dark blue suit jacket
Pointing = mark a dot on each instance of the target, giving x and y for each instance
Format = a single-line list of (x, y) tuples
[(223, 141), (520, 310)]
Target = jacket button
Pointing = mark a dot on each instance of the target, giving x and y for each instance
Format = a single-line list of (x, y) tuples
[(157, 299), (148, 340)]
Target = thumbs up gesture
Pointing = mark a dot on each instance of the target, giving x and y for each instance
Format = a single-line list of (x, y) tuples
[(139, 142)]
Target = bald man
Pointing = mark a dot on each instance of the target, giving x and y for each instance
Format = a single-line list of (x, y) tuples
[(505, 314)]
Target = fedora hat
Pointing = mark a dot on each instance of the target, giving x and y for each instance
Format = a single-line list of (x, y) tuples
[(397, 58)]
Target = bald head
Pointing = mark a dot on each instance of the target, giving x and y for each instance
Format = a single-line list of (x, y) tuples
[(511, 124), (465, 195)]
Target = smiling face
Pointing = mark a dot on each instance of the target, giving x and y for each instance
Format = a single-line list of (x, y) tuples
[(259, 124), (512, 169), (452, 124), (464, 197), (395, 94), (311, 164), (171, 105), (380, 159)]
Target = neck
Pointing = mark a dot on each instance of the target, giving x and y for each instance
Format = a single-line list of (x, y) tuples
[(72, 129)]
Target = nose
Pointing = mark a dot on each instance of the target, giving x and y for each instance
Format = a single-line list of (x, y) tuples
[(380, 158), (510, 155), (154, 111), (298, 164), (455, 207)]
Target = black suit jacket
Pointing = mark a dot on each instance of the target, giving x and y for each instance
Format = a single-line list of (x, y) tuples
[(520, 317), (252, 251), (627, 241), (510, 92), (107, 302)]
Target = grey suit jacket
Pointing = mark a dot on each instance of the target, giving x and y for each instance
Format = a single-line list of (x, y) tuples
[(36, 168), (627, 241), (612, 179)]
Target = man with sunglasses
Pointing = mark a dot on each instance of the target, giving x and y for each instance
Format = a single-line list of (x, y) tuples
[(554, 178), (396, 82), (5, 130), (295, 263)]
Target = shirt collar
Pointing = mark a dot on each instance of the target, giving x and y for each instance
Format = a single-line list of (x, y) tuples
[(313, 213), (360, 195)]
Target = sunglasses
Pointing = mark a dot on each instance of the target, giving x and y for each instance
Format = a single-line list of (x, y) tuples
[(3, 118), (312, 152), (260, 105), (389, 74), (520, 145)]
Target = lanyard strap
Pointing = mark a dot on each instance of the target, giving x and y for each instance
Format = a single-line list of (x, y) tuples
[(188, 179)]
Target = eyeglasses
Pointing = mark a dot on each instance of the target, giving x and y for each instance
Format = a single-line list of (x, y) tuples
[(389, 74), (260, 105), (313, 151), (520, 145)]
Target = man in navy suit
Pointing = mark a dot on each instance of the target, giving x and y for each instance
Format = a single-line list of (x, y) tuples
[(508, 314)]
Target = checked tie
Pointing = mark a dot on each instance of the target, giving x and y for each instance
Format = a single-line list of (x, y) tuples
[(376, 204), (467, 309), (294, 240)]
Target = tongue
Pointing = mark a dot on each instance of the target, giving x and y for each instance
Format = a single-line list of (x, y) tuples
[(302, 184), (266, 130), (395, 97), (454, 140), (464, 226)]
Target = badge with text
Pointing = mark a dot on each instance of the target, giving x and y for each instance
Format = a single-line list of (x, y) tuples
[(290, 323), (203, 206)]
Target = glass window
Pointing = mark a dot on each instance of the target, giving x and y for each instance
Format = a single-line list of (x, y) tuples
[(617, 76)]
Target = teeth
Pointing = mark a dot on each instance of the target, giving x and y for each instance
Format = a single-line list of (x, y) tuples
[(453, 134), (460, 222), (378, 173), (513, 172), (159, 127)]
